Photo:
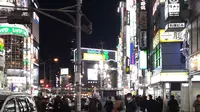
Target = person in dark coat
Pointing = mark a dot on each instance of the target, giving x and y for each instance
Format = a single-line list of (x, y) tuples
[(94, 105), (143, 103), (65, 106), (196, 104), (109, 105), (173, 104), (160, 101), (130, 103), (152, 105)]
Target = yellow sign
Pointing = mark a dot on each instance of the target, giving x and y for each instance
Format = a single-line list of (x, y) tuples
[(162, 36), (171, 36), (94, 57)]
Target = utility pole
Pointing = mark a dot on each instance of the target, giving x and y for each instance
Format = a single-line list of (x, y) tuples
[(102, 72), (79, 57)]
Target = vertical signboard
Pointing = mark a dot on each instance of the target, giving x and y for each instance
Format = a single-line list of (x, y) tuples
[(143, 40), (172, 8), (143, 60), (132, 54)]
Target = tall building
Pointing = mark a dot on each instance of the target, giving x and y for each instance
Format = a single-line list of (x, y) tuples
[(98, 67), (21, 47)]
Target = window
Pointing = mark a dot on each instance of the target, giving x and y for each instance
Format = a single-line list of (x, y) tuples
[(23, 106), (10, 106), (157, 57)]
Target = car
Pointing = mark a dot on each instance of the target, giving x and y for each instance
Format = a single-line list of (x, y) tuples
[(17, 102)]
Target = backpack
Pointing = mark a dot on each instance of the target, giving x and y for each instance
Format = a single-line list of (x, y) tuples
[(121, 107)]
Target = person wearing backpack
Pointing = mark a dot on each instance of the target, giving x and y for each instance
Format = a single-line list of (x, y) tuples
[(117, 104), (130, 103)]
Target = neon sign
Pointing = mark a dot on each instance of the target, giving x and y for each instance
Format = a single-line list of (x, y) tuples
[(13, 30), (95, 51)]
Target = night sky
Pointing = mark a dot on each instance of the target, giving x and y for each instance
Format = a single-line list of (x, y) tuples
[(55, 38)]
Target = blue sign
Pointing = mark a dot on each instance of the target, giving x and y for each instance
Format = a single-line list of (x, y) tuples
[(132, 54)]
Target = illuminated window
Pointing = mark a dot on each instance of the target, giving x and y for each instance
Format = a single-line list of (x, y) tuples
[(157, 57)]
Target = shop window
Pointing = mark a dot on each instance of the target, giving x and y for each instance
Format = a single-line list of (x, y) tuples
[(157, 57), (194, 36)]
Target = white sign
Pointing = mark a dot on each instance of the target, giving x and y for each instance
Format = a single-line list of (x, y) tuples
[(171, 37), (92, 74), (16, 80), (176, 25), (142, 5), (173, 8), (64, 71)]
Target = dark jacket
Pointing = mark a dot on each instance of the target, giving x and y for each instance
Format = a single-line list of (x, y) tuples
[(152, 106), (173, 105), (65, 106), (94, 105), (108, 106), (131, 106), (196, 105)]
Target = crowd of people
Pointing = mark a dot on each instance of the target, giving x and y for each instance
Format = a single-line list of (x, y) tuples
[(129, 103)]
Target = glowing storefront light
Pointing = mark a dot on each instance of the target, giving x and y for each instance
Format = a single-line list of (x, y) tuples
[(1, 46), (13, 30), (195, 63), (97, 57), (143, 59)]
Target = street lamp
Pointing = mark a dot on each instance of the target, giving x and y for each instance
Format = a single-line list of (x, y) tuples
[(44, 64)]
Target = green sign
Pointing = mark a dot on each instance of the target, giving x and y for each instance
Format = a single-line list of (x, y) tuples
[(13, 30)]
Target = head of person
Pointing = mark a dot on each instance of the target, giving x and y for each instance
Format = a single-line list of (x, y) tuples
[(109, 98), (129, 96), (172, 96), (198, 97), (150, 97)]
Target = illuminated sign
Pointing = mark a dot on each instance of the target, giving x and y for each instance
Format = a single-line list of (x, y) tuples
[(173, 8), (97, 51), (95, 57), (1, 46), (132, 54), (35, 17), (175, 26), (143, 40), (13, 30), (143, 60), (171, 36), (142, 5), (155, 6)]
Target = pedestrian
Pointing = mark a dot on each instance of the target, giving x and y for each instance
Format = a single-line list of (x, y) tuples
[(160, 101), (196, 104), (95, 104), (109, 105), (65, 105), (117, 104), (130, 103), (152, 105), (173, 104)]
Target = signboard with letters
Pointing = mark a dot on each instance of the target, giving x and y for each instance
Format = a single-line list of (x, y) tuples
[(143, 40), (175, 26), (172, 8)]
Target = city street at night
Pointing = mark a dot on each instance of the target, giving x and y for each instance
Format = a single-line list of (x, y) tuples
[(99, 55)]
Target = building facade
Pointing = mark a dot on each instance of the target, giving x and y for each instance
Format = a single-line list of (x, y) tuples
[(21, 48)]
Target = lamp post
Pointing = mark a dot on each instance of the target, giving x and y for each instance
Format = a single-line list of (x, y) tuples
[(44, 67)]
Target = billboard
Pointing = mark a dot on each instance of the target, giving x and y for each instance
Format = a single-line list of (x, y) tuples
[(64, 71), (172, 8), (1, 47), (13, 29), (143, 60), (92, 74), (132, 54), (35, 27), (92, 54)]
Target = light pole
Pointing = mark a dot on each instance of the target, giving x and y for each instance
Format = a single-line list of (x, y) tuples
[(44, 67)]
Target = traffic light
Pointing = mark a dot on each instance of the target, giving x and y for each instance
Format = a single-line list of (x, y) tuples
[(47, 85)]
